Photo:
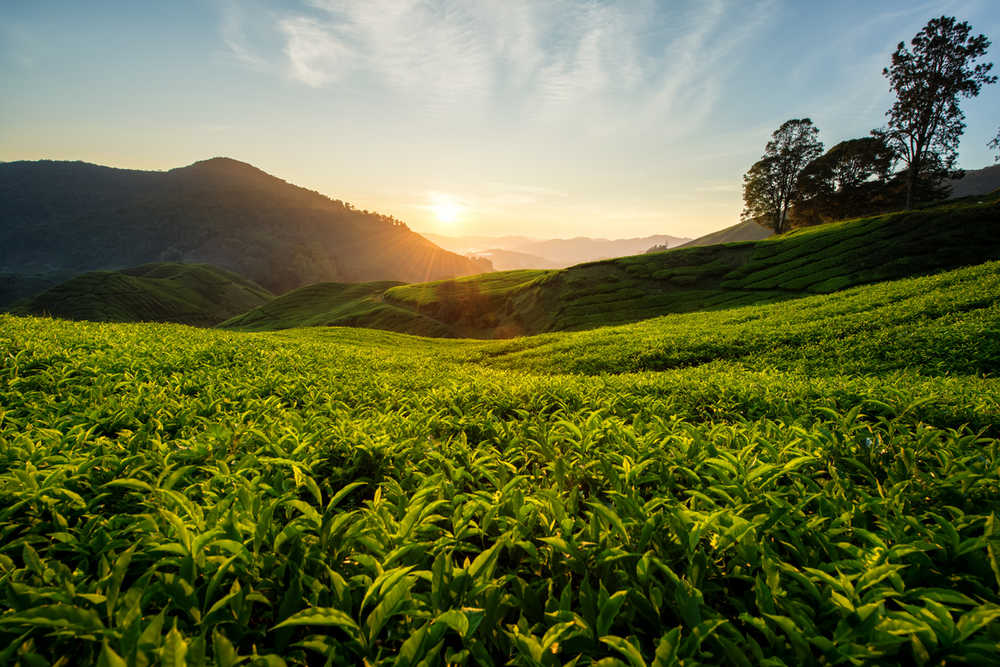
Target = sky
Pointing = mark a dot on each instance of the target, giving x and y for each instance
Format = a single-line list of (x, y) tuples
[(551, 119)]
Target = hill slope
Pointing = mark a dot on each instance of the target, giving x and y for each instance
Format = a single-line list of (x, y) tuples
[(804, 483), (744, 231), (976, 182), (815, 260), (76, 217), (195, 294)]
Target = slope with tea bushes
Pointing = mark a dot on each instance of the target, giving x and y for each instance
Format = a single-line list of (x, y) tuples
[(814, 260), (195, 294), (810, 482), (336, 304)]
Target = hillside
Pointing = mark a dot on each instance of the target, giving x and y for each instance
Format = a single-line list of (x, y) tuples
[(336, 304), (976, 182), (744, 231), (194, 294), (809, 482), (819, 259), (75, 217)]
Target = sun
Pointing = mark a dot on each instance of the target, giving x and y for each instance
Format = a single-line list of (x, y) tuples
[(446, 210)]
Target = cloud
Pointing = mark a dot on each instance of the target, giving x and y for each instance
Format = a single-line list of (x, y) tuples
[(525, 59), (317, 55)]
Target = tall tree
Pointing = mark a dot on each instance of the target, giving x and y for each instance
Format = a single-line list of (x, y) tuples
[(771, 184), (926, 122), (995, 145)]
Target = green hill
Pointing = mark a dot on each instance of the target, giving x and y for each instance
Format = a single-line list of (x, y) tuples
[(340, 304), (195, 294), (808, 482), (73, 217), (813, 260)]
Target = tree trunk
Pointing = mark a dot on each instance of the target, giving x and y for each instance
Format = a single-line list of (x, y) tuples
[(910, 178)]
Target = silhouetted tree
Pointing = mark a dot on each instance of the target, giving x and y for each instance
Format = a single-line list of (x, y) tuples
[(771, 184), (847, 181), (995, 145), (925, 123)]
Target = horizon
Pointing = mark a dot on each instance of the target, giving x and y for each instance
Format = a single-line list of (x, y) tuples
[(500, 120)]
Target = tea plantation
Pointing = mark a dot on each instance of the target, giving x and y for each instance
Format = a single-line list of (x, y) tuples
[(813, 481)]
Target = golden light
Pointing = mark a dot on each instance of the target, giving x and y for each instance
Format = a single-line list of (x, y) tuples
[(446, 210)]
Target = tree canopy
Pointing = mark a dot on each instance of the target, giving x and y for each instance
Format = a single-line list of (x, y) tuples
[(848, 180), (925, 123), (771, 184)]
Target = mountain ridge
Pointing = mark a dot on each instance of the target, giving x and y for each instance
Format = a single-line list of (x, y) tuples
[(534, 253), (74, 217)]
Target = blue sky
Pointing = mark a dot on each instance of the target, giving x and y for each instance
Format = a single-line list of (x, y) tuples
[(550, 119)]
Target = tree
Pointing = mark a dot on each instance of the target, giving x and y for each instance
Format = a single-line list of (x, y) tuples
[(995, 145), (926, 123), (770, 186), (847, 181)]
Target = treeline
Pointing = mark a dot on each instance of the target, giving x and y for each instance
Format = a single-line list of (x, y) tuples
[(796, 183)]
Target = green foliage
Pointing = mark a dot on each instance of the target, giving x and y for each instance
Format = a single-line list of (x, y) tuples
[(699, 492), (847, 181), (195, 294)]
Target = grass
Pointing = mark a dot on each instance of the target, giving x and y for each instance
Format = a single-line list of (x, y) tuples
[(815, 260), (196, 294), (814, 481)]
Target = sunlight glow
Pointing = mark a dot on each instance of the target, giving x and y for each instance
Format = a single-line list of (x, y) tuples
[(446, 210)]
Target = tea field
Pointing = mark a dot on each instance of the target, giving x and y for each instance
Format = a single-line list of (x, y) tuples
[(813, 481)]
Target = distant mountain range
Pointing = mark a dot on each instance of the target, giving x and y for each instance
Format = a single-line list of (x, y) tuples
[(976, 182), (59, 218), (521, 252)]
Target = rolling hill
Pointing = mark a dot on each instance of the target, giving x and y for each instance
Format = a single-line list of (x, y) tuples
[(72, 217), (814, 260), (194, 294)]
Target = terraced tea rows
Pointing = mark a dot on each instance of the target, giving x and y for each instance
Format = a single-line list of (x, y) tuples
[(814, 481)]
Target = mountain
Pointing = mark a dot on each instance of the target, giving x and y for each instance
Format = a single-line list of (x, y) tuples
[(744, 231), (507, 260), (568, 252), (550, 253), (465, 245), (812, 260), (75, 217), (976, 182), (167, 292)]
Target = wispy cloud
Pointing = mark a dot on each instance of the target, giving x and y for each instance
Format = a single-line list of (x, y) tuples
[(530, 59)]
